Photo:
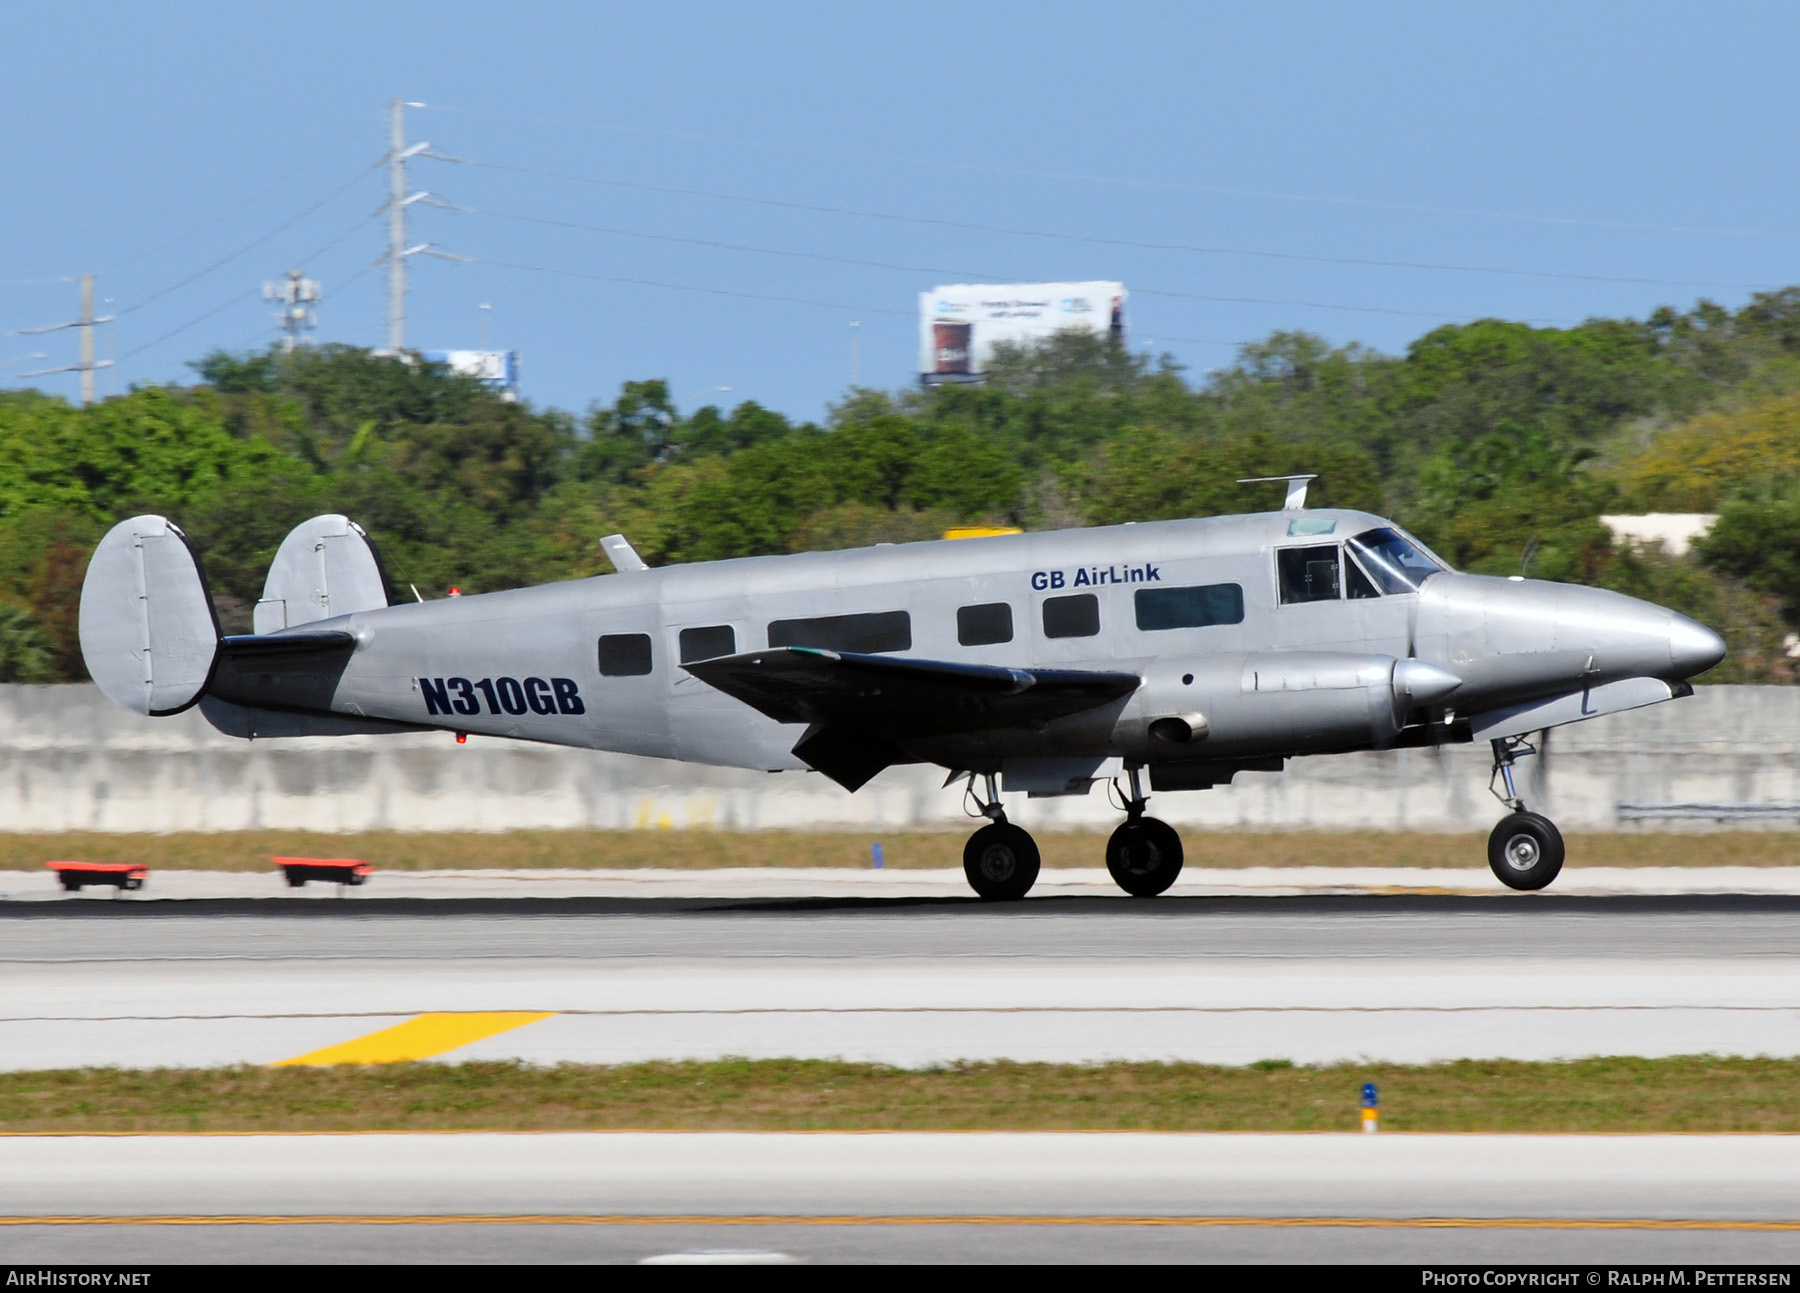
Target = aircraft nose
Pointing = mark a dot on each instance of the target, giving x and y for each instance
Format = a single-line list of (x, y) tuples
[(1693, 648)]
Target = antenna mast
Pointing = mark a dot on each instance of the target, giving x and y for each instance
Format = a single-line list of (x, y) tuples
[(297, 294)]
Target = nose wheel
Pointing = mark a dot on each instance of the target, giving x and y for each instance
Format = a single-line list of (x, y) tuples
[(1144, 855), (1525, 851), (1000, 860)]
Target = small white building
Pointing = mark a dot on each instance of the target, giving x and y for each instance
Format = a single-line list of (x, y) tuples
[(1675, 531)]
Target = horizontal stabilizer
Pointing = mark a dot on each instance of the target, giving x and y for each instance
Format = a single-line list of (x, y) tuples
[(859, 708), (325, 567), (295, 672), (260, 724), (267, 644), (149, 636)]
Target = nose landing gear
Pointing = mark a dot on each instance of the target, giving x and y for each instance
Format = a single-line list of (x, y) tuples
[(1000, 860), (1525, 851), (1144, 855)]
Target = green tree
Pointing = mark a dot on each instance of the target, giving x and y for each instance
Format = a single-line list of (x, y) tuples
[(25, 653)]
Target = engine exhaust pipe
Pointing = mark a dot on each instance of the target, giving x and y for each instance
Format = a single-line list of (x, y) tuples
[(1180, 729)]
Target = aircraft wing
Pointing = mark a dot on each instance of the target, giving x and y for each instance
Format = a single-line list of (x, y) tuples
[(860, 708)]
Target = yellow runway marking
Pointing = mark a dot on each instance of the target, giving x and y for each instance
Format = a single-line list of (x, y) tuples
[(420, 1038), (702, 1219)]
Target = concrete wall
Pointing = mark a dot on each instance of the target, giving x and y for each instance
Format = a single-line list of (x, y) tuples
[(70, 760)]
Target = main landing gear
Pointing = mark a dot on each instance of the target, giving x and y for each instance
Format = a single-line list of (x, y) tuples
[(1144, 854), (1001, 860), (1526, 850)]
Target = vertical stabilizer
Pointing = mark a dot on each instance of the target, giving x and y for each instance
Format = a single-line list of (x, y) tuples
[(148, 632), (325, 567)]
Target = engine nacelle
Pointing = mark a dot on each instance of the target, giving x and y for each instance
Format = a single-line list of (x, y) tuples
[(1287, 702)]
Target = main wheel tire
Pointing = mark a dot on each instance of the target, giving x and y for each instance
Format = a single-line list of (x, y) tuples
[(1525, 851), (1001, 862), (1144, 857)]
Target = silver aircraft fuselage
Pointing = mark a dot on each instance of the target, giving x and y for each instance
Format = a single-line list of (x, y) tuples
[(1272, 677)]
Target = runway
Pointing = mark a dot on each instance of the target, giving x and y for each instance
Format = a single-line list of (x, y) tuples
[(908, 980), (913, 982), (905, 1196)]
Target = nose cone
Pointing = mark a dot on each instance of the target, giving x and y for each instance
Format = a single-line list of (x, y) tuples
[(1693, 648), (1423, 683)]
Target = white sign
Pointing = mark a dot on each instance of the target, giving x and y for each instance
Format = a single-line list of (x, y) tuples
[(960, 325), (496, 369)]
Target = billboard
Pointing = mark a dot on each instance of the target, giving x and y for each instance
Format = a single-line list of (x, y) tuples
[(960, 325), (498, 370)]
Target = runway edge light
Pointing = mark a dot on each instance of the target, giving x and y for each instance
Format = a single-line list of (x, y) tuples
[(1371, 1109)]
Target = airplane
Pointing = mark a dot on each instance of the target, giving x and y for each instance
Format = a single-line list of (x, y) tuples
[(1178, 652)]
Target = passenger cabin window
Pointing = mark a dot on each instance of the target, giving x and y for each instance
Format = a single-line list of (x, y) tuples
[(1393, 560), (864, 634), (1308, 574), (1077, 616), (707, 643), (984, 625), (625, 655), (1199, 607)]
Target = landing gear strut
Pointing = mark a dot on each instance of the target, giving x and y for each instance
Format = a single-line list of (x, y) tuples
[(1000, 860), (1144, 854), (1525, 850)]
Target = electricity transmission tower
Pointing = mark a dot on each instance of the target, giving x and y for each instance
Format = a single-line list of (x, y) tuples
[(399, 199), (87, 367)]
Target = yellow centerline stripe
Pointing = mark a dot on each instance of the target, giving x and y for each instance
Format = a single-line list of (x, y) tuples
[(420, 1038), (773, 1219)]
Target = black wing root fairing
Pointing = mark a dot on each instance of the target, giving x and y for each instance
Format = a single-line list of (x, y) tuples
[(861, 711)]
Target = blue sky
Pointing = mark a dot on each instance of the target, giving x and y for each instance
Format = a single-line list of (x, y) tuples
[(1238, 166)]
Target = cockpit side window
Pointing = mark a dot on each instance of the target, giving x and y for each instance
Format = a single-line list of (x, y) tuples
[(1308, 574), (1357, 585), (1394, 561)]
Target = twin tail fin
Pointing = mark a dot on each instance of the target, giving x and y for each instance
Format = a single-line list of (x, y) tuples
[(151, 638)]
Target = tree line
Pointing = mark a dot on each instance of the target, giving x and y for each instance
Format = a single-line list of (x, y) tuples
[(1498, 443)]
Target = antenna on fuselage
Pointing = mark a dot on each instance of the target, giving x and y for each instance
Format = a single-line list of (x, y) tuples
[(624, 557), (1296, 488)]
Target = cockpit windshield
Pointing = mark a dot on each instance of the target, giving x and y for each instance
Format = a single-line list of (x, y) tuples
[(1394, 561)]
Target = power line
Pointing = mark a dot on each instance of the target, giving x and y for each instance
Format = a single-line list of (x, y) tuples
[(285, 225), (687, 287), (361, 223), (939, 269), (1102, 241), (258, 196), (1171, 185), (198, 319)]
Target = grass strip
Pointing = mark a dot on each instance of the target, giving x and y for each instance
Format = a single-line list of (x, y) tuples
[(1684, 1094), (695, 849)]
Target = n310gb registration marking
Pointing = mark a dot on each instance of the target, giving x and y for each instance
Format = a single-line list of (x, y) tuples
[(503, 696)]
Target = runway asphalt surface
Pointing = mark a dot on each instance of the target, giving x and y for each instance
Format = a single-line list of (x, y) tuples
[(904, 981), (913, 981), (911, 1196)]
